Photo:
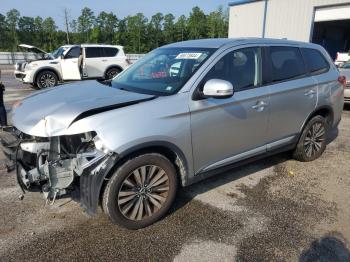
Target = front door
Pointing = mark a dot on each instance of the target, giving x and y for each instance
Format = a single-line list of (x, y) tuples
[(228, 130), (70, 64)]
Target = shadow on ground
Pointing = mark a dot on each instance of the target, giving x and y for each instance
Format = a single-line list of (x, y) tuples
[(328, 248)]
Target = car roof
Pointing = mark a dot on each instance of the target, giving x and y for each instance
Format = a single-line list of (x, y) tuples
[(100, 45), (93, 45), (220, 42)]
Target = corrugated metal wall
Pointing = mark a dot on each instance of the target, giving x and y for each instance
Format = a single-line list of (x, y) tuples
[(292, 19)]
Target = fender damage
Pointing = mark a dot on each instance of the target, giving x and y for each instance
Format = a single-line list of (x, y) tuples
[(48, 157)]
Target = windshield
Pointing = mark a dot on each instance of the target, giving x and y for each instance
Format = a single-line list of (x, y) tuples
[(58, 52), (163, 71)]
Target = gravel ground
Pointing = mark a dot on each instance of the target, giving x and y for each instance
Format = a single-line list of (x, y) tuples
[(276, 209)]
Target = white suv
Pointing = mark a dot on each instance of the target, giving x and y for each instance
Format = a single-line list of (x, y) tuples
[(71, 62)]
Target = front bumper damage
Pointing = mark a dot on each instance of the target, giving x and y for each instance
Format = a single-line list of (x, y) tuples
[(59, 166)]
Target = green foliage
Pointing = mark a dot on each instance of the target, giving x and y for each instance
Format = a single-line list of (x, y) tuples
[(137, 33)]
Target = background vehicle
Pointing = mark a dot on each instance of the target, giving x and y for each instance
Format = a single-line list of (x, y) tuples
[(182, 113), (345, 71), (72, 62), (341, 58)]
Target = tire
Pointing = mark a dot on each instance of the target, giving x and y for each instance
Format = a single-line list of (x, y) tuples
[(312, 141), (140, 204), (112, 72), (46, 79)]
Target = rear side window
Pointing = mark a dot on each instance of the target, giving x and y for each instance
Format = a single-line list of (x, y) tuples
[(110, 51), (93, 52), (287, 63), (315, 61)]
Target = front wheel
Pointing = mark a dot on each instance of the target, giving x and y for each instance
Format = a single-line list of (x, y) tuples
[(312, 141), (46, 79), (141, 191)]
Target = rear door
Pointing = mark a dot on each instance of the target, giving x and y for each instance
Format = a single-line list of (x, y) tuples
[(70, 64), (95, 62), (293, 94)]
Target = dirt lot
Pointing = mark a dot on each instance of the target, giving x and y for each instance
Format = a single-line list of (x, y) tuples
[(276, 209)]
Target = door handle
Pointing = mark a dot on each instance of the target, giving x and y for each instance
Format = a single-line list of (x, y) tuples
[(104, 60), (260, 106), (310, 93)]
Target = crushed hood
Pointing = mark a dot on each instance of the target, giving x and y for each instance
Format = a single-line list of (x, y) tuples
[(50, 112)]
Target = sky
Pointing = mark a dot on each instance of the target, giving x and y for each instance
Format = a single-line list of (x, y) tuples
[(121, 8)]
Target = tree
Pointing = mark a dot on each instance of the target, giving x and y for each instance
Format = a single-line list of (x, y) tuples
[(49, 29), (39, 31), (85, 23), (26, 28), (136, 34), (181, 29), (121, 35), (4, 34), (155, 31), (217, 23), (106, 23), (197, 24), (12, 18), (169, 28)]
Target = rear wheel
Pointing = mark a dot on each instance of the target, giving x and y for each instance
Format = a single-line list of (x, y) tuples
[(312, 142), (46, 79), (112, 72), (141, 191)]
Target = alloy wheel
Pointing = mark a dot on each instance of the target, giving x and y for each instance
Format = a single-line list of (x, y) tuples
[(47, 80), (143, 192), (314, 139), (112, 73)]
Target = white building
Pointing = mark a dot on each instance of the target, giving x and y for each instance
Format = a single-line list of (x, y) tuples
[(325, 22)]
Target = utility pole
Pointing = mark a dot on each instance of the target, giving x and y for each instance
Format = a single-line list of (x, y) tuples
[(66, 21), (264, 22)]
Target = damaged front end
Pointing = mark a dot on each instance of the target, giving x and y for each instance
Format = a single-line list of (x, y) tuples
[(74, 165)]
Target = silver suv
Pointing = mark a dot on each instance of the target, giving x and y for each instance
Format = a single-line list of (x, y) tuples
[(182, 113)]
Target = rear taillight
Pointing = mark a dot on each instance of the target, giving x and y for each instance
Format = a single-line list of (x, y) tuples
[(342, 81)]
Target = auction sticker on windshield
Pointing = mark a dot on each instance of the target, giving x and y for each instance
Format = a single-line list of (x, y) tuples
[(189, 56)]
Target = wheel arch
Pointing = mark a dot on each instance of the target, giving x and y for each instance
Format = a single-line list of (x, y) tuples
[(326, 111), (167, 149), (55, 71), (112, 66)]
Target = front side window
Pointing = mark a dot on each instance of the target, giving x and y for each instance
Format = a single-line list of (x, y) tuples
[(241, 67), (287, 63), (74, 52), (315, 61), (94, 52), (163, 71)]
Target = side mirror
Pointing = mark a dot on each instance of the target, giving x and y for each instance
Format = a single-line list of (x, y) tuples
[(62, 57), (218, 88)]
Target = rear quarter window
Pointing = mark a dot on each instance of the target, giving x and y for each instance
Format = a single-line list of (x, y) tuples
[(110, 51), (286, 63), (315, 61)]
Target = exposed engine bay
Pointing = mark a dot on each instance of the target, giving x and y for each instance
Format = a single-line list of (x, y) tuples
[(54, 165)]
